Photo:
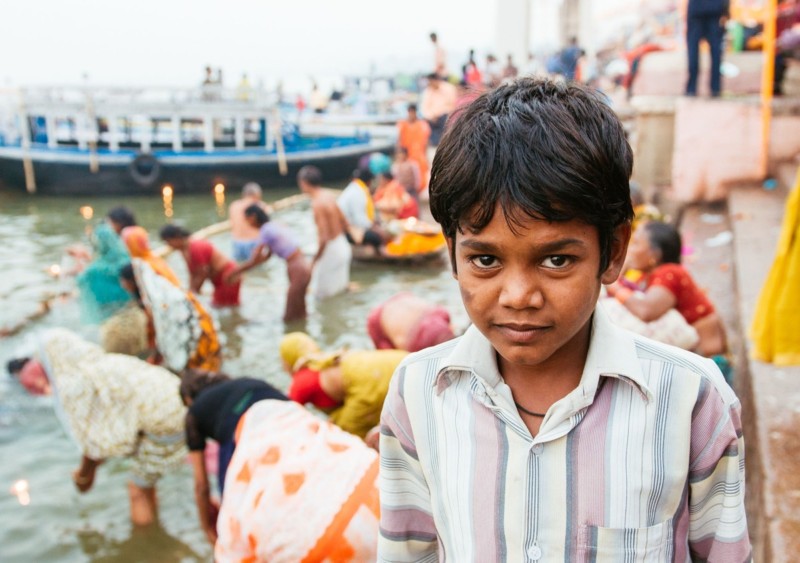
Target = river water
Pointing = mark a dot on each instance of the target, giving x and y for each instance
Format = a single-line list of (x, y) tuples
[(58, 524)]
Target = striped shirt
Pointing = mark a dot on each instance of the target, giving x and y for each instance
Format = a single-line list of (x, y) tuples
[(643, 461)]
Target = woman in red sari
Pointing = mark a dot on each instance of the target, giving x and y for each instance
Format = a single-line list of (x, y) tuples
[(205, 262)]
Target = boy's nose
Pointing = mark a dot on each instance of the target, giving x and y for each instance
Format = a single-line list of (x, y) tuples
[(520, 291)]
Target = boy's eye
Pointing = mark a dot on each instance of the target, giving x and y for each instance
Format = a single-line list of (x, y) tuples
[(483, 261), (556, 261)]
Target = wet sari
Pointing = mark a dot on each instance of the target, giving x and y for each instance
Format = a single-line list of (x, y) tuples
[(114, 405), (185, 332), (101, 294)]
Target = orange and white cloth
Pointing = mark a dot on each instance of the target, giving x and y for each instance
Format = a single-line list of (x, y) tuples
[(297, 489)]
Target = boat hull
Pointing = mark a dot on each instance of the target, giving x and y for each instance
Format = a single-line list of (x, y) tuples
[(70, 174)]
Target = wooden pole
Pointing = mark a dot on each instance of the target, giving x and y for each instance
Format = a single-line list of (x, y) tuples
[(27, 161), (283, 165), (767, 79), (91, 130)]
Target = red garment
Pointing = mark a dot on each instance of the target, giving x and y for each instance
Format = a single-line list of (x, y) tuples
[(432, 328), (394, 191), (200, 253), (691, 301), (306, 388), (34, 379), (225, 294)]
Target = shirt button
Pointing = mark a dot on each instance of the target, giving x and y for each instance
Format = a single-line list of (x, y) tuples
[(535, 552), (537, 449)]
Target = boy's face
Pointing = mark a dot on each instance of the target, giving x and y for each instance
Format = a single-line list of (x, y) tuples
[(532, 294)]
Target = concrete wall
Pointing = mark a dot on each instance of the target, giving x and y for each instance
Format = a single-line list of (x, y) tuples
[(664, 73), (717, 144)]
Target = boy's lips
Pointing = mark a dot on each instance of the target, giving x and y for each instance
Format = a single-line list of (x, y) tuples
[(522, 332)]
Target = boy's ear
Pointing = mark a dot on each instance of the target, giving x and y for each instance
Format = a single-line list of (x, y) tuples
[(619, 248), (451, 251)]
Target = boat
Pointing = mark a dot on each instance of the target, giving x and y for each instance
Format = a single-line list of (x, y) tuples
[(84, 141), (414, 242)]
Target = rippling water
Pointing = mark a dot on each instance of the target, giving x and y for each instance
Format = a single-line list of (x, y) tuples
[(61, 525)]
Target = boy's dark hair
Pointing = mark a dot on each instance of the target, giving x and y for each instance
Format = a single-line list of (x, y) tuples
[(122, 216), (538, 148), (172, 231), (310, 174), (666, 239), (412, 107), (256, 211)]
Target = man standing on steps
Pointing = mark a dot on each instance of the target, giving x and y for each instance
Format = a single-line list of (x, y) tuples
[(705, 19)]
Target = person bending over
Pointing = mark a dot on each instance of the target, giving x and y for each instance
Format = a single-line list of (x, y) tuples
[(205, 262), (216, 402), (349, 386), (277, 239), (407, 322)]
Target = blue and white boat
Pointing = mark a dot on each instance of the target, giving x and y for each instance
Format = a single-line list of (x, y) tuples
[(84, 141)]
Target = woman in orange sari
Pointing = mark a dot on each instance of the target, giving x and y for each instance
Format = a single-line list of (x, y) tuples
[(297, 489)]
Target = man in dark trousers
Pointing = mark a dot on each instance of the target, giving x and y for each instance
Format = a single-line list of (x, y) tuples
[(705, 19)]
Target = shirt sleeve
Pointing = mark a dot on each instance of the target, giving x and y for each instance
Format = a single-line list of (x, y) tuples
[(357, 207), (407, 529), (195, 440), (717, 520)]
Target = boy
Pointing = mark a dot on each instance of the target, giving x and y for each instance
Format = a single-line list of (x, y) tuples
[(544, 432)]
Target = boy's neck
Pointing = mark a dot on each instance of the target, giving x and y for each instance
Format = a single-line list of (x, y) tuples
[(537, 387)]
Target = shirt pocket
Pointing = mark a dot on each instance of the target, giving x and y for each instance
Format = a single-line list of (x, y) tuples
[(632, 545)]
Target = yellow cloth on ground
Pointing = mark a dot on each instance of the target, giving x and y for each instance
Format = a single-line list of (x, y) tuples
[(775, 330), (366, 377)]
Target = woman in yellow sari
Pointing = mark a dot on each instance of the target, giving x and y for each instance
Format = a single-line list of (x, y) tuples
[(774, 330), (350, 386)]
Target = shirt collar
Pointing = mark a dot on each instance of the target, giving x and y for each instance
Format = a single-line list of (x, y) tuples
[(612, 353)]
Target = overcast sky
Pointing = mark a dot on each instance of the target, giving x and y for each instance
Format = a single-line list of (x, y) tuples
[(169, 42)]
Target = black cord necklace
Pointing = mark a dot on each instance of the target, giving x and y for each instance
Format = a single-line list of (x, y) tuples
[(526, 411)]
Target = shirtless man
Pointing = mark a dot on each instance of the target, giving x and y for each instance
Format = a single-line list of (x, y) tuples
[(245, 237), (332, 262), (205, 262), (408, 322)]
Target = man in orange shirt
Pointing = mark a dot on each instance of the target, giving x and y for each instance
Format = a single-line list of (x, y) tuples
[(413, 134)]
